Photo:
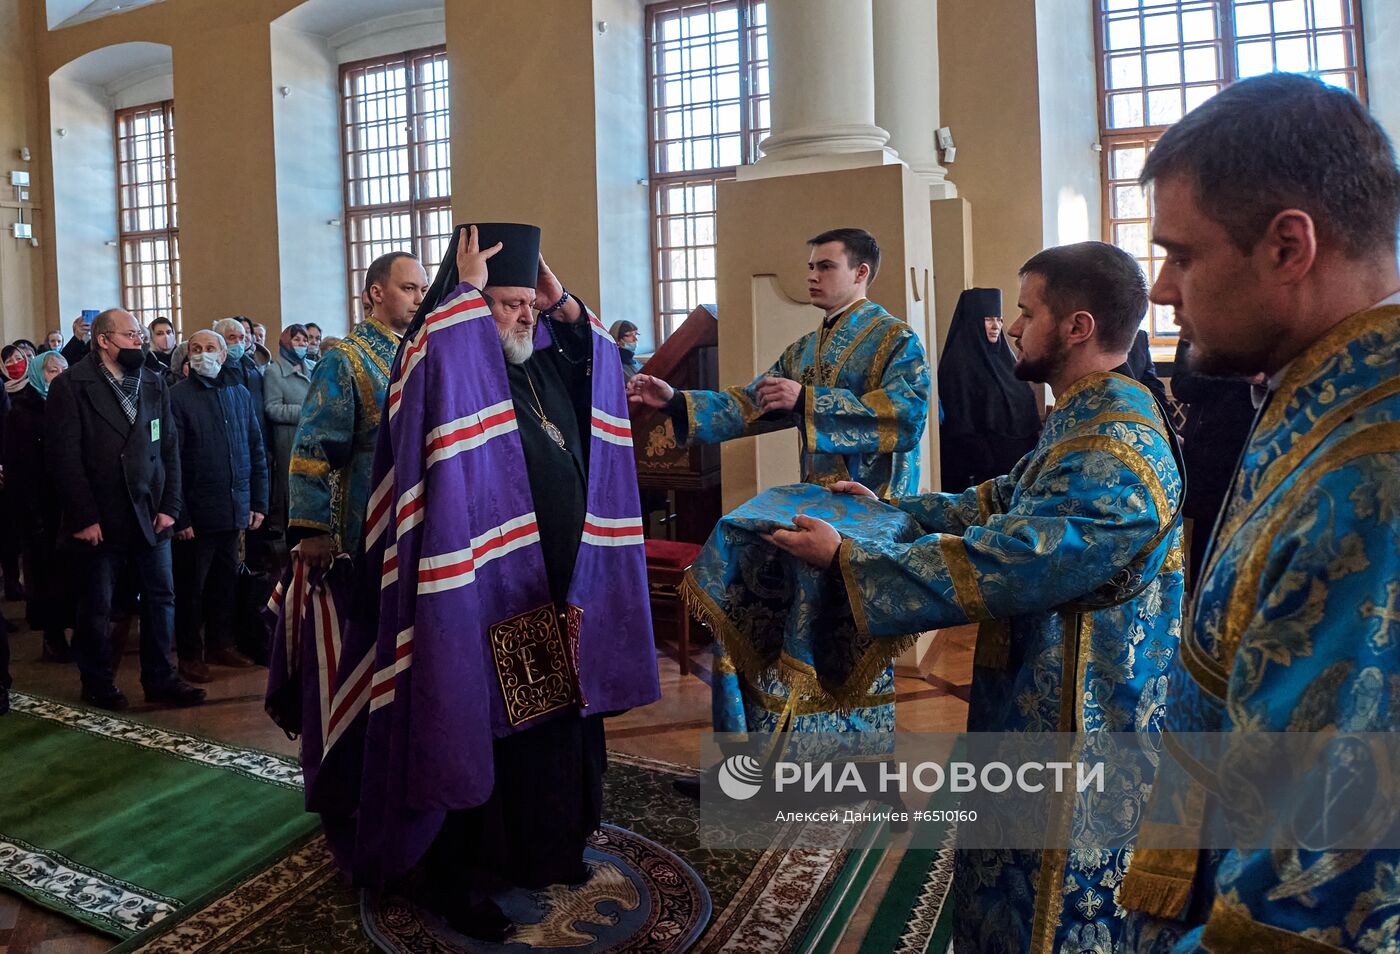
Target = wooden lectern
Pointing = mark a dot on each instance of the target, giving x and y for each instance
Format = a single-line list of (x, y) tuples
[(680, 487)]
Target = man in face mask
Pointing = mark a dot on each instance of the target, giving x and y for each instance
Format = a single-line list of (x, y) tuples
[(240, 363), (114, 454), (225, 478)]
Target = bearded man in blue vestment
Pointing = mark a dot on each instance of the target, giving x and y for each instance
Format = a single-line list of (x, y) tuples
[(1277, 203), (857, 390), (1072, 566)]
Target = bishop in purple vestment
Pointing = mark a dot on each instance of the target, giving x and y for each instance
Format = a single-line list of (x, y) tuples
[(453, 682)]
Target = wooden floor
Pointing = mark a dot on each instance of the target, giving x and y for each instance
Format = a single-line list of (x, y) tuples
[(669, 729)]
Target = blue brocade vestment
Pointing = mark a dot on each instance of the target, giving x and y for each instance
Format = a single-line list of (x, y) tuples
[(1071, 564), (1296, 628), (328, 486)]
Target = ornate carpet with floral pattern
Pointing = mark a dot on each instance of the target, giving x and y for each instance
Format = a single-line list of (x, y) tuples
[(768, 901)]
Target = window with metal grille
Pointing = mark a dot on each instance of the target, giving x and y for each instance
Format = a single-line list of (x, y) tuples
[(1161, 58), (148, 228), (707, 98), (398, 160)]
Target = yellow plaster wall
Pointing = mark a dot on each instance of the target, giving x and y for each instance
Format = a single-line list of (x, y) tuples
[(21, 265), (524, 146), (990, 100)]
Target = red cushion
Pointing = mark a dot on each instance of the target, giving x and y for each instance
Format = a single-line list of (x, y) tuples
[(671, 553)]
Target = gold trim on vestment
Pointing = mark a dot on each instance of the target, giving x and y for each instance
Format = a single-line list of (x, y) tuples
[(1304, 367), (358, 371), (1231, 927), (966, 590), (1098, 377), (308, 524), (849, 350), (803, 706), (1125, 417), (1243, 598), (1283, 466), (1130, 459), (389, 333), (691, 423), (796, 675), (853, 593), (809, 420), (825, 331), (308, 466), (886, 429), (881, 358), (987, 504)]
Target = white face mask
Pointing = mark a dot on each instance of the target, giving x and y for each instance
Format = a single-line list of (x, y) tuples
[(206, 365)]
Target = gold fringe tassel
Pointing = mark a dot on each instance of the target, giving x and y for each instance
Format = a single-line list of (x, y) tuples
[(749, 663)]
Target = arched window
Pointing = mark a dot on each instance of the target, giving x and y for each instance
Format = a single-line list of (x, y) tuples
[(1159, 59), (707, 97), (148, 227), (398, 160)]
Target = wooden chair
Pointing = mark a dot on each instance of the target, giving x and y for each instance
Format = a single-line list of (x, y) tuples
[(667, 561)]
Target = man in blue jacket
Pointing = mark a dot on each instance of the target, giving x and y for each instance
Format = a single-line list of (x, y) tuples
[(225, 476)]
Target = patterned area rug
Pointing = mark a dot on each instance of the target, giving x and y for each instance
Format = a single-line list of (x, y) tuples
[(121, 825), (764, 902), (639, 898)]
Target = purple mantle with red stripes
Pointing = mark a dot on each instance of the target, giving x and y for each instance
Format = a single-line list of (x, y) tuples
[(397, 718)]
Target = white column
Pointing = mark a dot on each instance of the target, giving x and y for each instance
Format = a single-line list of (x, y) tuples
[(906, 86), (823, 80)]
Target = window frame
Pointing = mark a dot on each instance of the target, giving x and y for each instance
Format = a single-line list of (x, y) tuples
[(415, 207), (1225, 43), (170, 234), (657, 181)]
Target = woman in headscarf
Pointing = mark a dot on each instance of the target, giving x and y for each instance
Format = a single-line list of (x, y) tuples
[(285, 383), (32, 505), (14, 364), (625, 334), (990, 418)]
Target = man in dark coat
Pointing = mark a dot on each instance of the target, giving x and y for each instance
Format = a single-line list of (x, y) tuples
[(240, 364), (224, 473), (114, 455)]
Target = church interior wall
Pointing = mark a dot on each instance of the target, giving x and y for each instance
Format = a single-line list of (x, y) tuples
[(989, 79), (21, 265), (1071, 198), (624, 199), (524, 149), (85, 198), (310, 195), (1380, 21)]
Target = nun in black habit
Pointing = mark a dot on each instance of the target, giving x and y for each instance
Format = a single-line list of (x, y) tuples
[(990, 418)]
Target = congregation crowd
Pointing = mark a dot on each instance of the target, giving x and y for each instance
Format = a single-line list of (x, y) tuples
[(110, 521)]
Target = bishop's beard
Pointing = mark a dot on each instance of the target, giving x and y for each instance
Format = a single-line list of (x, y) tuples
[(518, 345)]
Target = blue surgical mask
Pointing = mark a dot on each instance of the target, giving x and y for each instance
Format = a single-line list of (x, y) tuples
[(300, 352), (235, 351), (206, 365)]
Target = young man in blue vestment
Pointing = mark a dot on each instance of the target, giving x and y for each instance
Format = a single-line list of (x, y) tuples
[(1072, 566), (857, 390), (1277, 203)]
